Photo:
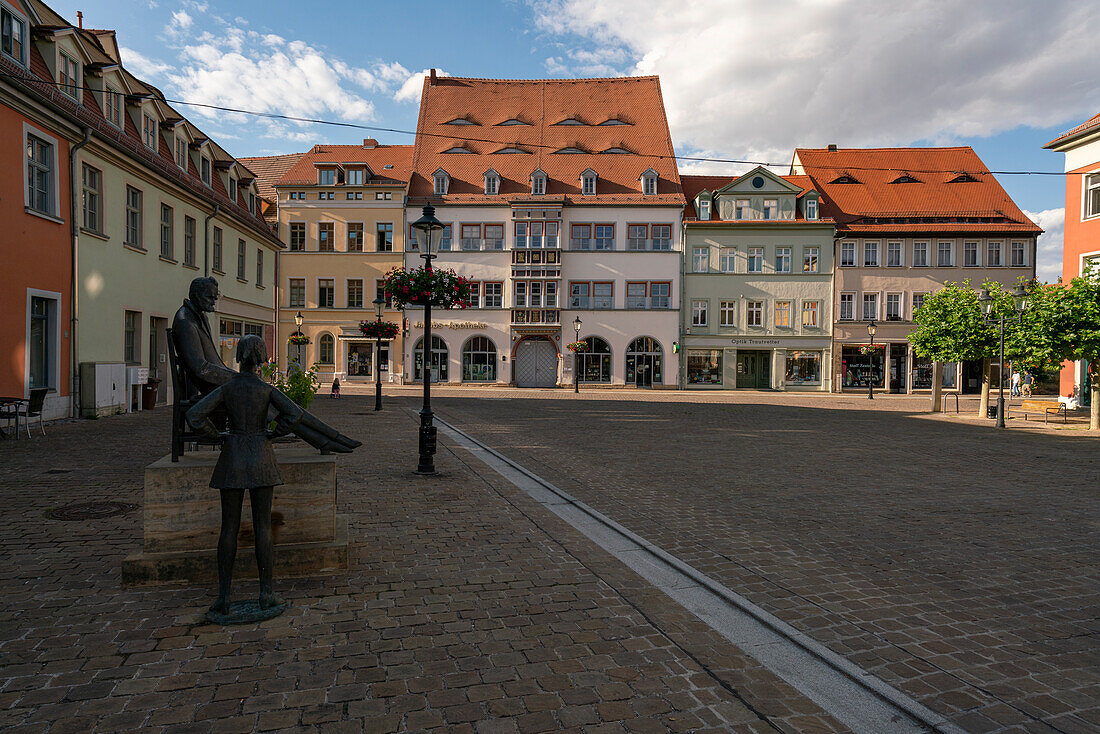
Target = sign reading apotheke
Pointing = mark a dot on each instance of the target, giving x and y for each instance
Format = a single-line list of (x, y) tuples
[(755, 342), (453, 325)]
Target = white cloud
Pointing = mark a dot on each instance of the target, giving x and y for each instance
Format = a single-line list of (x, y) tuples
[(1049, 262), (141, 65), (756, 78), (413, 86)]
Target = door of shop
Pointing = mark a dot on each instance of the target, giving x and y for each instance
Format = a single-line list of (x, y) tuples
[(898, 355), (644, 366), (536, 364), (754, 370), (158, 356)]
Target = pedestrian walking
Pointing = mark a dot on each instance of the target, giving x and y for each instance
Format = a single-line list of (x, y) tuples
[(1015, 392), (336, 387), (1028, 380)]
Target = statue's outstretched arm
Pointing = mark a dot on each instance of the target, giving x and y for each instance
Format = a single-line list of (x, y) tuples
[(199, 414)]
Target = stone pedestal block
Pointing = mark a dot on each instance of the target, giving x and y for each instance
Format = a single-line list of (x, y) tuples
[(182, 519)]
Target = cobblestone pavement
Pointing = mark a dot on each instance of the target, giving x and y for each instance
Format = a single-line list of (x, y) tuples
[(956, 562), (468, 608)]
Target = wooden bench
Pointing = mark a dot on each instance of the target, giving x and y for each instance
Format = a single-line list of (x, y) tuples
[(1045, 407)]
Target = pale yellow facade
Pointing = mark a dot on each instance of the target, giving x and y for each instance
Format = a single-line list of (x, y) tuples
[(334, 289)]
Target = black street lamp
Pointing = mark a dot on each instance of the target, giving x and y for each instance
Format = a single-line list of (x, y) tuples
[(428, 232), (1019, 299), (576, 359), (298, 323), (871, 329), (379, 304)]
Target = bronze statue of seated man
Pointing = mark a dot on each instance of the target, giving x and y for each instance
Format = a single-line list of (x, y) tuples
[(199, 359)]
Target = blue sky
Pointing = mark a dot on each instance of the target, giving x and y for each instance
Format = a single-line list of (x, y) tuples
[(744, 79)]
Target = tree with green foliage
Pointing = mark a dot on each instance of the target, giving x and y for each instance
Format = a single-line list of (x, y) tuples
[(299, 385), (951, 328)]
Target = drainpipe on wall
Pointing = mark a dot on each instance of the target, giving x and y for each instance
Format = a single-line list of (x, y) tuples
[(74, 372), (206, 240)]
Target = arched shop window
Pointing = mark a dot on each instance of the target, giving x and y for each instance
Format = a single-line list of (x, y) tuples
[(595, 364), (326, 349), (644, 361), (479, 360), (439, 359)]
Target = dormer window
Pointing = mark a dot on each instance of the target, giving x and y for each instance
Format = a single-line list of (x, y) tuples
[(112, 106), (13, 36), (649, 183), (460, 121), (844, 179), (704, 209), (811, 208), (204, 170), (511, 149), (492, 182), (571, 149), (326, 177), (181, 152), (442, 182), (149, 130), (963, 178), (613, 121), (588, 183), (252, 202), (513, 121), (616, 149), (569, 121), (905, 178), (233, 189), (538, 183), (68, 75), (355, 177), (458, 149)]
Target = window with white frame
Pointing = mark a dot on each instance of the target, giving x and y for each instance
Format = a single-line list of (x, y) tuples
[(492, 183), (441, 181), (355, 293), (771, 209), (811, 208), (970, 255), (727, 313), (704, 209), (326, 196), (519, 295), (604, 236), (167, 234), (918, 301), (700, 259), (588, 184), (216, 254), (810, 310), (847, 311), (13, 36), (91, 191), (920, 254), (326, 177), (326, 293), (133, 217), (204, 170), (494, 236), (470, 236), (68, 75), (580, 236), (259, 267), (870, 306), (383, 237), (811, 257), (494, 295), (41, 174), (945, 255), (994, 257), (727, 259), (847, 254), (41, 349), (297, 238), (741, 209), (1019, 254), (149, 130), (181, 152), (538, 183), (782, 259), (649, 184), (383, 195), (242, 250), (233, 189), (637, 237), (1092, 196), (326, 236), (782, 314), (893, 307), (754, 314), (189, 225), (699, 312), (112, 106), (756, 260), (354, 177), (661, 234), (895, 254), (870, 254)]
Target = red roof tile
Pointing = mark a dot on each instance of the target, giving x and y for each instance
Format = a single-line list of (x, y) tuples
[(936, 194), (695, 184), (304, 172), (626, 113), (1088, 126), (269, 169)]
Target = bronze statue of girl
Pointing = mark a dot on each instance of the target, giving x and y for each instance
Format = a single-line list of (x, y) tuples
[(247, 462)]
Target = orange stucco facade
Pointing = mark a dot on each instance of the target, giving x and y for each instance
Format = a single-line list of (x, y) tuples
[(36, 262)]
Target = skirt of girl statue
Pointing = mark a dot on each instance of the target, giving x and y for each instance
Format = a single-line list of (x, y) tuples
[(247, 461)]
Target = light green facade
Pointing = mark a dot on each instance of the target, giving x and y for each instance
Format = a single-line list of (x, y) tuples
[(724, 299)]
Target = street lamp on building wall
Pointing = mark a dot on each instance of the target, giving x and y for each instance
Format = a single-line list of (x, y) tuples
[(871, 329), (1019, 299), (576, 372), (298, 323), (428, 232), (379, 304)]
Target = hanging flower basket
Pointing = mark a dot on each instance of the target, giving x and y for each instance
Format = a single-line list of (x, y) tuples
[(867, 349), (378, 329), (577, 347), (445, 288), (298, 339)]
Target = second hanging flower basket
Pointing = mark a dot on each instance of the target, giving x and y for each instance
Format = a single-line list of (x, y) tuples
[(298, 339), (378, 329), (415, 286), (577, 347), (867, 349)]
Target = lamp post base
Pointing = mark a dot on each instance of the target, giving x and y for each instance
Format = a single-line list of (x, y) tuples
[(426, 464)]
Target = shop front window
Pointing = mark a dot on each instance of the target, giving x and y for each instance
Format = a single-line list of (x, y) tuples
[(922, 374), (595, 364), (803, 368), (643, 362), (360, 359), (479, 360), (857, 368), (704, 367), (439, 359)]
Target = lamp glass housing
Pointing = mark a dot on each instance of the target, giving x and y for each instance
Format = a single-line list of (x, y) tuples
[(379, 304), (985, 301), (1020, 298), (429, 231), (298, 319), (577, 325), (872, 328)]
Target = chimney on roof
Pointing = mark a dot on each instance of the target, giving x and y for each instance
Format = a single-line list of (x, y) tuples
[(370, 143), (431, 78), (79, 19), (832, 147)]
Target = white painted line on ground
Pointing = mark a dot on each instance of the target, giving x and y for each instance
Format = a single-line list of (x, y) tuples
[(853, 696)]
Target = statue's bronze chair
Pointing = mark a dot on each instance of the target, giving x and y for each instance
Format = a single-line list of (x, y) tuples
[(184, 395)]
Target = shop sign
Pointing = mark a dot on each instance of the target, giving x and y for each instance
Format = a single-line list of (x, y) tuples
[(755, 342), (453, 325)]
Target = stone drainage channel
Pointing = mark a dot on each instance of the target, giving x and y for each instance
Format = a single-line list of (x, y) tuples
[(854, 697)]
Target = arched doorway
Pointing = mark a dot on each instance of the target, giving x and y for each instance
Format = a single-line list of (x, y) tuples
[(479, 360), (644, 362), (536, 363), (595, 364), (439, 359)]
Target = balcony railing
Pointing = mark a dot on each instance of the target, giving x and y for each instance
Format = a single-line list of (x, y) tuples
[(649, 302), (591, 303), (534, 242), (475, 244), (591, 244), (536, 316), (657, 244)]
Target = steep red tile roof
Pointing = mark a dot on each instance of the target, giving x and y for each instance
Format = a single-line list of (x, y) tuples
[(599, 114), (941, 198), (269, 169), (399, 157), (1088, 126), (694, 184)]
